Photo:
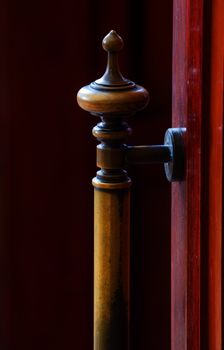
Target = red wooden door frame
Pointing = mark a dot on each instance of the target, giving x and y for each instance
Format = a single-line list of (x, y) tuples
[(197, 202), (186, 201), (215, 175)]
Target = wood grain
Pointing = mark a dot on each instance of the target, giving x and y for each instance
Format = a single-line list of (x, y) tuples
[(215, 177), (112, 98), (186, 196)]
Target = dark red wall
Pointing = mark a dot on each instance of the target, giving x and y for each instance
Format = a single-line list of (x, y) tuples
[(49, 49)]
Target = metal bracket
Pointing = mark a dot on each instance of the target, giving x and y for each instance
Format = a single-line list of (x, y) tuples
[(171, 153), (175, 168)]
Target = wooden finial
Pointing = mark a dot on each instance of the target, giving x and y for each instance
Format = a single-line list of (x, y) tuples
[(112, 43), (112, 98), (112, 93)]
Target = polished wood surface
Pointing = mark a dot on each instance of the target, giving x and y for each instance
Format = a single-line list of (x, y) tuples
[(197, 204), (215, 178), (186, 196), (112, 95), (111, 266), (112, 98)]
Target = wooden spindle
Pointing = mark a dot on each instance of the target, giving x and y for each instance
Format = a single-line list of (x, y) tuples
[(112, 98)]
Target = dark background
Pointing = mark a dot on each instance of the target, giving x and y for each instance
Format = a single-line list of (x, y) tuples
[(49, 49)]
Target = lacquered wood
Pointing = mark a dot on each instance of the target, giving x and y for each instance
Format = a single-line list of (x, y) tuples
[(186, 196), (126, 102), (111, 239), (112, 98), (197, 204), (111, 267), (215, 178), (112, 94)]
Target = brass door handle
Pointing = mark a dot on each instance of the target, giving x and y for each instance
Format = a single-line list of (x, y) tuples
[(114, 98)]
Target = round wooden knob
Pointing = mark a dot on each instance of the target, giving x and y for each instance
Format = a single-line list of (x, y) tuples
[(112, 42), (112, 93)]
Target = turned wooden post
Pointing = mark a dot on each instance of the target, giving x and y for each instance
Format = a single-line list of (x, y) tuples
[(112, 98)]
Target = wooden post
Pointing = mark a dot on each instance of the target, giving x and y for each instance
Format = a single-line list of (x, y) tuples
[(112, 98), (111, 266), (111, 238)]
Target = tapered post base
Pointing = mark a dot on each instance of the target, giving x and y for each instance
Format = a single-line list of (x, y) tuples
[(111, 265)]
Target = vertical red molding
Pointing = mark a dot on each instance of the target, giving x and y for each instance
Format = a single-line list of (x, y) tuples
[(215, 179), (186, 196)]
